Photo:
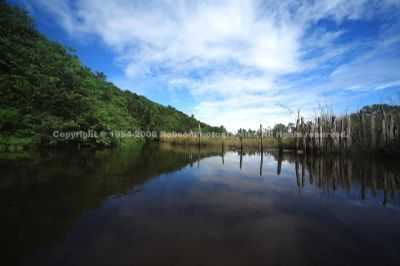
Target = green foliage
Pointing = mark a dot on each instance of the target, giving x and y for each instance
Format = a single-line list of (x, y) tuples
[(279, 129), (44, 87)]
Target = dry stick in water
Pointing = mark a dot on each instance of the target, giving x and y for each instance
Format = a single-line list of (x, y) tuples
[(341, 134), (349, 139), (279, 167), (297, 130), (261, 137), (241, 158), (312, 130), (373, 135), (333, 133), (261, 162), (391, 128), (320, 142), (199, 134), (364, 136), (384, 128), (304, 148), (297, 173)]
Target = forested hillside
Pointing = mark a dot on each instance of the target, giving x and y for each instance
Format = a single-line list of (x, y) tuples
[(44, 87)]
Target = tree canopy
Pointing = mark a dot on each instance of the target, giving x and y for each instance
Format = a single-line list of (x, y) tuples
[(45, 87)]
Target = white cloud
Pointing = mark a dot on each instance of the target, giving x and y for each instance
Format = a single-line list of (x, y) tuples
[(192, 33), (233, 56)]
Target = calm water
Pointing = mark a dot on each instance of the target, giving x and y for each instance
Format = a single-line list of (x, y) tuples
[(160, 205)]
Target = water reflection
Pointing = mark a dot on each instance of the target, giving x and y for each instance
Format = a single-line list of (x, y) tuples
[(372, 177), (166, 205), (41, 198), (365, 177)]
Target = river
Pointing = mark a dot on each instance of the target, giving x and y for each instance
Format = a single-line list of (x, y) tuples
[(165, 205)]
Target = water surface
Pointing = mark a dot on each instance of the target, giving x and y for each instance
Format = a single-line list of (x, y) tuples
[(162, 205)]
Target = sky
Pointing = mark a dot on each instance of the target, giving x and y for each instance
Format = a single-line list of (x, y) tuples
[(237, 63)]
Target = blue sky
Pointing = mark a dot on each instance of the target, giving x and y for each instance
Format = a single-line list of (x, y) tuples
[(237, 63)]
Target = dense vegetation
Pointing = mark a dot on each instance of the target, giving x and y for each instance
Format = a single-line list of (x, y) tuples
[(44, 87)]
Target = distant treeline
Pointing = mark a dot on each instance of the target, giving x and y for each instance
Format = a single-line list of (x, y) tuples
[(44, 87), (374, 128)]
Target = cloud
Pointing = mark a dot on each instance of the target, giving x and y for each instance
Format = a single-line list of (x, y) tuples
[(245, 62)]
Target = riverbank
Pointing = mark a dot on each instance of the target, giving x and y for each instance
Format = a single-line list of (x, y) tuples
[(14, 146), (231, 141), (287, 143), (17, 143)]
